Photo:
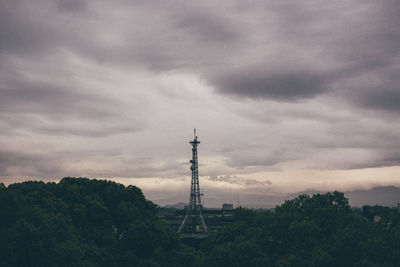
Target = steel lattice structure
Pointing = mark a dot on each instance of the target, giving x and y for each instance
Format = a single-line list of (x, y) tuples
[(194, 221)]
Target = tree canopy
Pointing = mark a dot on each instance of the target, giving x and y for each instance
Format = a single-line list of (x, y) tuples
[(320, 230), (82, 222), (87, 222)]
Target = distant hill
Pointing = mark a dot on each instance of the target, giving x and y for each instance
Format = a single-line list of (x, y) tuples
[(385, 196), (179, 205)]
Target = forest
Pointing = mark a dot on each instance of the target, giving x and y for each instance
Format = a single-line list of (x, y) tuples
[(88, 222)]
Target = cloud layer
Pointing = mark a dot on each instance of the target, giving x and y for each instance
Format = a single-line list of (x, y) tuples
[(114, 88)]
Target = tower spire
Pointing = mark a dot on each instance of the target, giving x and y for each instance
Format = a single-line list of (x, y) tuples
[(194, 221)]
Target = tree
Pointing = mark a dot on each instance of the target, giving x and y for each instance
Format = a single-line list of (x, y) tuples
[(318, 230), (84, 222)]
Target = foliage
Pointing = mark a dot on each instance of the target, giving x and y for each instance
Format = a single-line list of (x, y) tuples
[(320, 230), (82, 222)]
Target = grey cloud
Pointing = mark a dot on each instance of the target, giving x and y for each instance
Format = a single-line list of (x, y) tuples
[(252, 182), (257, 83), (53, 163), (24, 29), (378, 159), (345, 39), (46, 98), (376, 141), (197, 38), (56, 110), (385, 99), (347, 140), (71, 5), (281, 54), (257, 155), (354, 146), (206, 26), (137, 172), (374, 89), (167, 169), (28, 165), (246, 160), (93, 127), (234, 179)]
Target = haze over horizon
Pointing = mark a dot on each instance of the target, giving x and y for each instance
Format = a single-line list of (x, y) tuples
[(286, 96)]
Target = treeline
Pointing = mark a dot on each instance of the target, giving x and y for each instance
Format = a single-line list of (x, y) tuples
[(82, 222), (321, 230)]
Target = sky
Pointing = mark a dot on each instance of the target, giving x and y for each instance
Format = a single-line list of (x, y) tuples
[(286, 96)]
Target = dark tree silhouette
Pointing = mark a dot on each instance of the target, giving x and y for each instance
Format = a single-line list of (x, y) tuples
[(320, 230), (82, 222)]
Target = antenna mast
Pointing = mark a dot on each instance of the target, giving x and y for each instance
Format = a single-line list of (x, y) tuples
[(194, 221)]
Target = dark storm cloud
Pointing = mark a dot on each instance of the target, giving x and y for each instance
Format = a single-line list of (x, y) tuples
[(347, 39), (384, 99), (54, 55), (256, 83)]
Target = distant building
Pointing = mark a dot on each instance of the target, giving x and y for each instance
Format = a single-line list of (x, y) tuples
[(377, 218), (226, 206)]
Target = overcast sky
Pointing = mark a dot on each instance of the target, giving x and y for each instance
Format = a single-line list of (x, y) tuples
[(286, 95)]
